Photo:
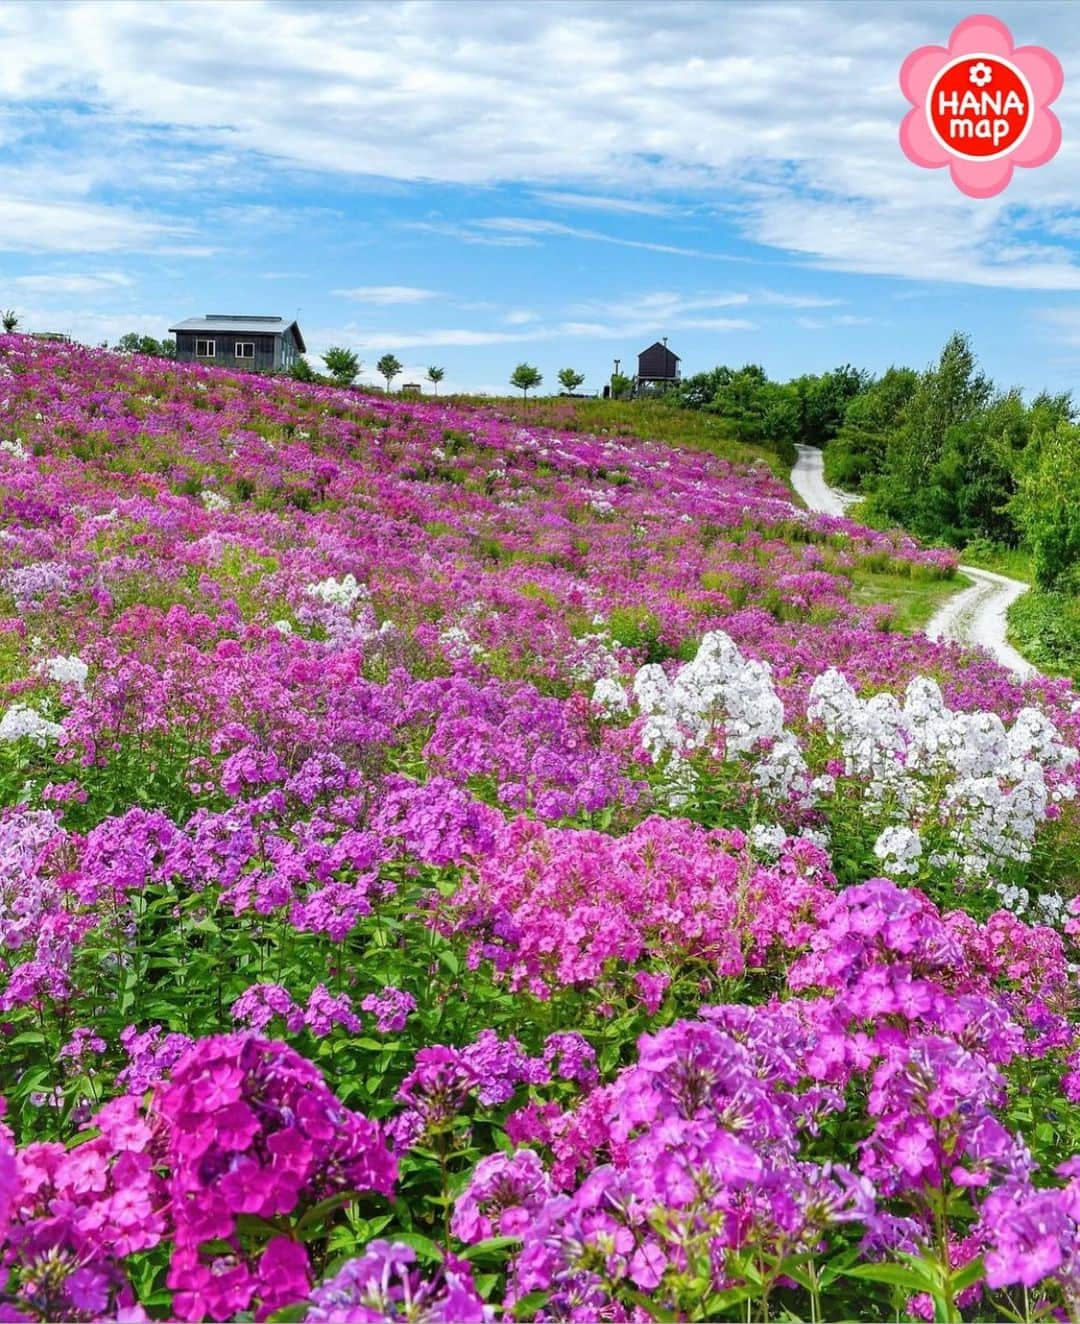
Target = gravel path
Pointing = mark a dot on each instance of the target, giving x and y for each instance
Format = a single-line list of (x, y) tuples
[(974, 616)]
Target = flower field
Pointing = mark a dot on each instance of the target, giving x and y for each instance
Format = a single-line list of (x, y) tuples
[(453, 870)]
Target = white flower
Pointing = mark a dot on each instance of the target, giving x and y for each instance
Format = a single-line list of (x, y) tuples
[(980, 74), (899, 850), (70, 670), (767, 839), (15, 448), (213, 501), (457, 642), (283, 627), (610, 695), (342, 595), (594, 658), (21, 721)]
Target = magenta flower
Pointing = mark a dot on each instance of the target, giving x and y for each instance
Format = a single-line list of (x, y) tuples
[(980, 106)]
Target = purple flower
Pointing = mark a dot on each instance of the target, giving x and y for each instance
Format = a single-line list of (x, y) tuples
[(391, 1008)]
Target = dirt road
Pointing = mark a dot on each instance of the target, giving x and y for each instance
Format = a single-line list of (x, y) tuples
[(976, 615)]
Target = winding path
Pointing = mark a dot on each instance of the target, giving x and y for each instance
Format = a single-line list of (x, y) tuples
[(976, 615)]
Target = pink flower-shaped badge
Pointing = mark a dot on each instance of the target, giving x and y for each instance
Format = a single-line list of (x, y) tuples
[(981, 106)]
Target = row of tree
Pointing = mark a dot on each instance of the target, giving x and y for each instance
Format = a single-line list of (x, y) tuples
[(344, 367), (526, 378)]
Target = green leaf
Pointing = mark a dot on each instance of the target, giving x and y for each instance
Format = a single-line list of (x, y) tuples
[(289, 1314), (489, 1246), (897, 1275), (970, 1273), (653, 1310), (526, 1307), (429, 1251), (317, 1213)]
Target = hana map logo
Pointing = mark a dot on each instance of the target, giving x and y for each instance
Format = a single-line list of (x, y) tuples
[(980, 106)]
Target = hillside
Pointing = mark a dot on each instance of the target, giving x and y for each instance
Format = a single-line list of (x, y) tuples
[(530, 848)]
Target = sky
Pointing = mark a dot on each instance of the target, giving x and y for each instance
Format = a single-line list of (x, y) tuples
[(472, 185)]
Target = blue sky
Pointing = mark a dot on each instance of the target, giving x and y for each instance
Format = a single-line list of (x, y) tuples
[(471, 184)]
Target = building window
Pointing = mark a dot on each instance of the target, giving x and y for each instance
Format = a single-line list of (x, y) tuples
[(245, 349), (205, 349)]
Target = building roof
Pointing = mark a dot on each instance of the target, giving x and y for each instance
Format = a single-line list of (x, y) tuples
[(659, 345), (238, 323)]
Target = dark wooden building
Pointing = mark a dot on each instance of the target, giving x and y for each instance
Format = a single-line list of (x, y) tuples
[(227, 340), (657, 366)]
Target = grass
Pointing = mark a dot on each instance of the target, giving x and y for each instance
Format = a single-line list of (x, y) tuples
[(1012, 561), (652, 420), (914, 599), (1045, 627)]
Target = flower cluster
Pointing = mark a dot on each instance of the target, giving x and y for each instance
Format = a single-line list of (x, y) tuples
[(253, 1130)]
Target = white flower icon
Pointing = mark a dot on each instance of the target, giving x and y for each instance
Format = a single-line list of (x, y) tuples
[(980, 74)]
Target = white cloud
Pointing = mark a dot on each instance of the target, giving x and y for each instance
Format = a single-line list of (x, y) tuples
[(781, 300), (594, 202), (788, 113), (387, 294), (370, 340), (73, 283), (518, 226), (662, 306), (823, 323), (78, 227)]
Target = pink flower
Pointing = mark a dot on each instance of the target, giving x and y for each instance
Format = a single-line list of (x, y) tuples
[(940, 82)]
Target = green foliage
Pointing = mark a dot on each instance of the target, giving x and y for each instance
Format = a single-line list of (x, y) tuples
[(342, 365), (944, 454), (570, 380), (302, 371), (10, 320), (435, 376), (809, 409), (526, 378), (1047, 506), (621, 386), (856, 456)]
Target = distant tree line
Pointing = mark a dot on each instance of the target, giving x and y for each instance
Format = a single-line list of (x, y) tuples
[(133, 343)]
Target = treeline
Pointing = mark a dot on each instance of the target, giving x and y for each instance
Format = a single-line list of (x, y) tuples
[(942, 452)]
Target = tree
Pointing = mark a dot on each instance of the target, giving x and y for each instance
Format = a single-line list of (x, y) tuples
[(435, 376), (342, 364), (388, 367), (823, 400), (526, 378), (10, 320), (133, 343), (951, 394), (620, 386), (570, 380), (1047, 505), (302, 371), (856, 456)]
